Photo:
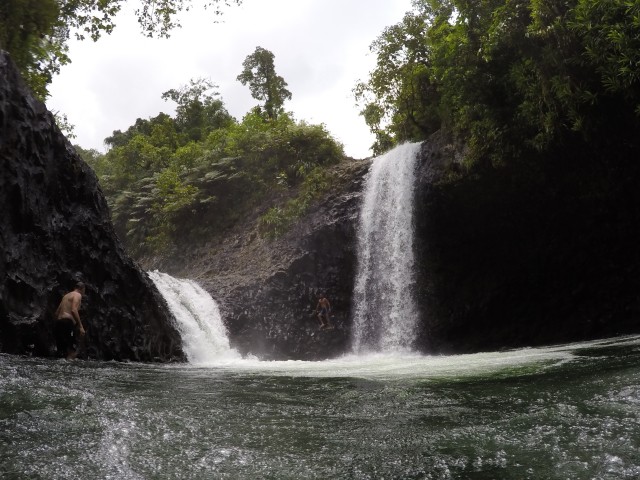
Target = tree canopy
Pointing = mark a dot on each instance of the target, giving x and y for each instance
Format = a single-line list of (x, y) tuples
[(198, 110), (505, 75), (36, 32), (265, 85), (171, 180)]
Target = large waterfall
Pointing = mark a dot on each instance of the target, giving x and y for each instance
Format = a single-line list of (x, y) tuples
[(385, 313), (204, 336)]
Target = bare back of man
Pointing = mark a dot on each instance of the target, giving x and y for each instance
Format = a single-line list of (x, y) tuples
[(67, 318)]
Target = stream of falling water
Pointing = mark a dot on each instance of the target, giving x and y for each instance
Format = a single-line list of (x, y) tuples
[(385, 313), (204, 336)]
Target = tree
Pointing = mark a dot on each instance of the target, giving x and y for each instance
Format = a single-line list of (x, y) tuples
[(31, 31), (166, 189), (400, 100), (199, 112), (35, 32), (265, 85), (510, 77), (162, 128)]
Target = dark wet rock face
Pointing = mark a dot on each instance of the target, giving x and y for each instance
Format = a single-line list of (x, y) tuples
[(527, 254), (55, 230)]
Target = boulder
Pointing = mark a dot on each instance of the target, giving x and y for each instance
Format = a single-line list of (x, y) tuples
[(55, 230)]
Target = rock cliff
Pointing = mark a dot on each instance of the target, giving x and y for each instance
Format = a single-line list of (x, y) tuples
[(507, 256), (55, 230), (530, 253), (267, 289)]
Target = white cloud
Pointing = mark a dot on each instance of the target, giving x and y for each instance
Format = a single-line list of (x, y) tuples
[(321, 49)]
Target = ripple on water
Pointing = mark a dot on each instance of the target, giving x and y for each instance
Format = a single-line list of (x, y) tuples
[(534, 413)]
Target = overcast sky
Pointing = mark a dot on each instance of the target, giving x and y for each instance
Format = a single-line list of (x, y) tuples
[(321, 49)]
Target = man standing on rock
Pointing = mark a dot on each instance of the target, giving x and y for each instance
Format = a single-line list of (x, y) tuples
[(323, 309), (67, 318)]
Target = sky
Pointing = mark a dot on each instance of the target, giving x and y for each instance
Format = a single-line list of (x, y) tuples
[(321, 50)]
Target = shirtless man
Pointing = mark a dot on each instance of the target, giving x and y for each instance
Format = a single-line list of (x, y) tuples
[(66, 319), (324, 310)]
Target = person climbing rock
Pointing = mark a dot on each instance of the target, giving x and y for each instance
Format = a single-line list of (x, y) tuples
[(323, 309), (67, 318)]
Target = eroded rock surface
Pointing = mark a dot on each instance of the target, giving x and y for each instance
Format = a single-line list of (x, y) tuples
[(55, 230)]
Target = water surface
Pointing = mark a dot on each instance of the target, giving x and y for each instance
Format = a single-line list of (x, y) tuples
[(553, 413)]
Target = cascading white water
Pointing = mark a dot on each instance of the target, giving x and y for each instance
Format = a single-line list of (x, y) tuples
[(385, 313), (204, 336)]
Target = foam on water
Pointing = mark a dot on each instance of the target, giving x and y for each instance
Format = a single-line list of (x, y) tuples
[(206, 345), (386, 366), (567, 411)]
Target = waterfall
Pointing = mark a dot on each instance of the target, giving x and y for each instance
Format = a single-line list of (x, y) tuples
[(385, 314), (204, 336)]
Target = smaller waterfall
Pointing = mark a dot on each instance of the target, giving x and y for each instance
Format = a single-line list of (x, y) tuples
[(204, 336), (385, 313)]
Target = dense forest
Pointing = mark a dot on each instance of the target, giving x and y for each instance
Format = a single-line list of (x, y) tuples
[(539, 94), (164, 175), (512, 78)]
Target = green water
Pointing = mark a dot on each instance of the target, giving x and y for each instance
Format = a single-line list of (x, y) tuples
[(569, 412)]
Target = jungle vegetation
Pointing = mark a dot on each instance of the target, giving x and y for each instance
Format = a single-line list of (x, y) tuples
[(545, 92), (511, 78), (184, 179)]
